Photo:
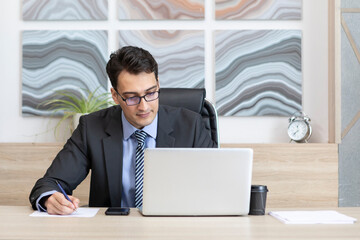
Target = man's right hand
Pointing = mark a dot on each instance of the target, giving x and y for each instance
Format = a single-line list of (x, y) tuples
[(58, 204)]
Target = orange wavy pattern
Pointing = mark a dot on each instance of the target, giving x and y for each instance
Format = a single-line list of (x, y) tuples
[(258, 9), (161, 9)]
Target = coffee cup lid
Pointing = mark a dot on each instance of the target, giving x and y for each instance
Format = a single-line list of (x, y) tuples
[(259, 188)]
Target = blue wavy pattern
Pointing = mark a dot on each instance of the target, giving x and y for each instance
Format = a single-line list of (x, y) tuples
[(179, 54), (61, 60), (258, 72), (65, 9)]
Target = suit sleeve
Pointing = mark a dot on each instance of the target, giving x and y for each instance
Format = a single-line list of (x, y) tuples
[(70, 166)]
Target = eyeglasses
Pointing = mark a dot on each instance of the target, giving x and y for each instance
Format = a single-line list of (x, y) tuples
[(131, 101)]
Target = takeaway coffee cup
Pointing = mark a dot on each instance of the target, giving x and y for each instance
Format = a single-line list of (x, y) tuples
[(258, 199)]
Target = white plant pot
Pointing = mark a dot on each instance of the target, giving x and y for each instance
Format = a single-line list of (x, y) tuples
[(76, 118)]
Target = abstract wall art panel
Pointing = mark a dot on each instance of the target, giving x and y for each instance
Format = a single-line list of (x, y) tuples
[(161, 9), (61, 60), (258, 72), (179, 54), (258, 9), (43, 10)]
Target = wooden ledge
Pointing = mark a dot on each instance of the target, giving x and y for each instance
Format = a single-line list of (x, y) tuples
[(297, 175)]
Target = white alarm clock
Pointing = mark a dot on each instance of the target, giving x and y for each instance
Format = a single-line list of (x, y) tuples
[(299, 129)]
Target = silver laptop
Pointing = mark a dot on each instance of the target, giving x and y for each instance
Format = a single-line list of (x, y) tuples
[(197, 181)]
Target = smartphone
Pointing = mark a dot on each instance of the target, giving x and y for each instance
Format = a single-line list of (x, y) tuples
[(117, 211)]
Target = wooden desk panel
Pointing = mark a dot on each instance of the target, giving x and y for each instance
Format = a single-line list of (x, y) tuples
[(17, 224), (22, 164), (297, 175)]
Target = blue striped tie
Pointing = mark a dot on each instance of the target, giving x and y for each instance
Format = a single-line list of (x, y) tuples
[(139, 166)]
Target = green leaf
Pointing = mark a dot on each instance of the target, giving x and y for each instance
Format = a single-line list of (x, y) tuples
[(69, 103)]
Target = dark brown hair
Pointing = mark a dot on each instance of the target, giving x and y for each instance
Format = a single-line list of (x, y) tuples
[(134, 60)]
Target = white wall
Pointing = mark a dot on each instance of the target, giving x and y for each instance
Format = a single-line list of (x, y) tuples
[(314, 25)]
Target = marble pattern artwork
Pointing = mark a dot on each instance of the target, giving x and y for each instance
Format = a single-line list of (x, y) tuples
[(61, 60), (161, 9), (179, 54), (258, 9), (65, 10), (258, 72)]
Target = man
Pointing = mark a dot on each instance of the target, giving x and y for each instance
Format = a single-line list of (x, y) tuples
[(105, 141)]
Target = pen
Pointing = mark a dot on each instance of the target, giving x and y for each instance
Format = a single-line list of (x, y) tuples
[(63, 192)]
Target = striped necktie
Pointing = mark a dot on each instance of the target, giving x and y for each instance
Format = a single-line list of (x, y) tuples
[(139, 166)]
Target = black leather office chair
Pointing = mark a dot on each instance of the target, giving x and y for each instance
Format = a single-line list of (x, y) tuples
[(194, 100)]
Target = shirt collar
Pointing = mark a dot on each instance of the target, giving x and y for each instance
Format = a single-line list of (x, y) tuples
[(129, 129)]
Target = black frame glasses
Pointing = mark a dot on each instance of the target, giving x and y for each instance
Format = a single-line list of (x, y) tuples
[(132, 101)]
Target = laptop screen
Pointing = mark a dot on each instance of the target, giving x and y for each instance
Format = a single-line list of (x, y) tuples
[(197, 181)]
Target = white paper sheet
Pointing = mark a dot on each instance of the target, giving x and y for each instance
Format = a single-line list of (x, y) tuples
[(80, 212), (312, 217)]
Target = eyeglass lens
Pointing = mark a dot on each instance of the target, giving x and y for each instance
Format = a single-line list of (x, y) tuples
[(148, 97)]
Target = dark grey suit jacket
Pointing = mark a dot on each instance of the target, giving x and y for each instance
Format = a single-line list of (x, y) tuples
[(96, 144)]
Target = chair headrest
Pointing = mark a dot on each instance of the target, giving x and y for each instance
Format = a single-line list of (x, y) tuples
[(190, 98)]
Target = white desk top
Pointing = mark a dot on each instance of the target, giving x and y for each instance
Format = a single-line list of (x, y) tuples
[(15, 223)]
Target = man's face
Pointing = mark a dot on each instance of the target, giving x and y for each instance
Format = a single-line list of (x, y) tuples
[(130, 85)]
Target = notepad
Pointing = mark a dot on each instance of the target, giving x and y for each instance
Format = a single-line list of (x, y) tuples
[(312, 217), (80, 212)]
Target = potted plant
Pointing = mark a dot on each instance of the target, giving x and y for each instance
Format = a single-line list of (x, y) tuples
[(72, 106)]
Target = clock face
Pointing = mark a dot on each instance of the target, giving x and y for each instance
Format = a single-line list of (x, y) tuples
[(298, 130)]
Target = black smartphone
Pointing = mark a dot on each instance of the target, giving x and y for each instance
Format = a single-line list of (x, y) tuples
[(117, 211)]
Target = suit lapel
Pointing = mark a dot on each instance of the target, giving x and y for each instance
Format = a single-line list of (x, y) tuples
[(164, 138), (113, 152)]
